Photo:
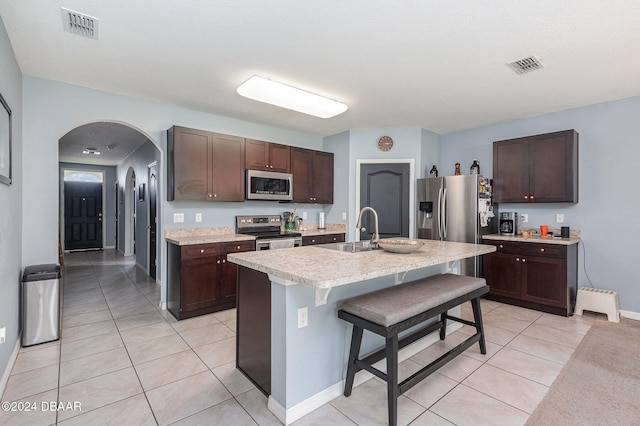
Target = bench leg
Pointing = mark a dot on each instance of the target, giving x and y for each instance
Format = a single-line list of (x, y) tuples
[(354, 352), (443, 325), (393, 390), (477, 317)]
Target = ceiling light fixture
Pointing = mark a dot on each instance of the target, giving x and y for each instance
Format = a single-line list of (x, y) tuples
[(285, 96), (91, 151)]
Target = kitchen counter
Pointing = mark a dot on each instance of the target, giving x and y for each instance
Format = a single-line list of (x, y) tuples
[(290, 342), (321, 268), (533, 239), (189, 236)]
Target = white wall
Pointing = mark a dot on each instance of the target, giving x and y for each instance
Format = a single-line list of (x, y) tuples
[(11, 208), (609, 172)]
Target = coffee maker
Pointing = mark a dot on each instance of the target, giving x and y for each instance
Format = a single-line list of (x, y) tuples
[(508, 223)]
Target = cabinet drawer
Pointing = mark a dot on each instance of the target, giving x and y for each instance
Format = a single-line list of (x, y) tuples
[(335, 238), (505, 246), (544, 250), (238, 246), (199, 250)]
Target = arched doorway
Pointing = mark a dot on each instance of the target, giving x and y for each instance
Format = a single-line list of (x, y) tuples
[(124, 154)]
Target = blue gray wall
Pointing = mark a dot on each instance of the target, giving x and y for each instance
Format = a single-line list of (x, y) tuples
[(607, 212), (11, 208)]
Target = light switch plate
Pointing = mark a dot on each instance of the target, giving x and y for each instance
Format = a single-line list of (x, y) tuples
[(198, 217), (3, 335), (559, 218), (524, 217), (178, 218), (344, 215), (303, 317), (304, 215)]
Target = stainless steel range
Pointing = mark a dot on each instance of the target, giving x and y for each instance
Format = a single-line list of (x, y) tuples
[(268, 232)]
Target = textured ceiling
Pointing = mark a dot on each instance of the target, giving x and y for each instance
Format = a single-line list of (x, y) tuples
[(114, 141), (437, 65)]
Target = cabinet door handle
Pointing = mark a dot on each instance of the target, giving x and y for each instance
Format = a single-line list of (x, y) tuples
[(531, 196), (271, 167), (313, 241), (201, 250), (238, 248), (266, 165), (542, 250), (500, 246), (209, 195), (524, 260), (224, 260), (218, 262), (526, 197), (517, 259)]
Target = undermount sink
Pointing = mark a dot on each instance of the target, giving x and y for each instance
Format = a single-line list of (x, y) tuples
[(349, 247)]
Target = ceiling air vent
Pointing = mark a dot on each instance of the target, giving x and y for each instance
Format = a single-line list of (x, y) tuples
[(526, 65), (77, 23)]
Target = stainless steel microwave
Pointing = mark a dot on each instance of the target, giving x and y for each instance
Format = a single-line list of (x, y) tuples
[(263, 185)]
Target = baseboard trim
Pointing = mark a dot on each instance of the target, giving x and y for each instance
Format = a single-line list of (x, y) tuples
[(9, 367), (630, 315), (318, 400)]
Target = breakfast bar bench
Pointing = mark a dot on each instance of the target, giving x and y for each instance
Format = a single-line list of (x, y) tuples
[(390, 311)]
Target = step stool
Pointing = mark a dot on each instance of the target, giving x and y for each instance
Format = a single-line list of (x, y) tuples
[(597, 300)]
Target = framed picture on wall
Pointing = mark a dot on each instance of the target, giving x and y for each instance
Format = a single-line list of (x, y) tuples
[(5, 142)]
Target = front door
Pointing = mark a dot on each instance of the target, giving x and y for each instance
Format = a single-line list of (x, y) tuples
[(153, 219), (82, 215), (385, 188)]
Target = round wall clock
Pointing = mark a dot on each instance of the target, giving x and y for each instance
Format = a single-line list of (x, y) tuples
[(385, 143)]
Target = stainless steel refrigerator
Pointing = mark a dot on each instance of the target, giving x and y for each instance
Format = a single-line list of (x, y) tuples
[(456, 208)]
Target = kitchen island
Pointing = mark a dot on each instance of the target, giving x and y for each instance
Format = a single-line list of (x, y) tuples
[(302, 367)]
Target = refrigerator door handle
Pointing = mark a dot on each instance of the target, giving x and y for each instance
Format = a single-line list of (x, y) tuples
[(440, 213), (444, 213)]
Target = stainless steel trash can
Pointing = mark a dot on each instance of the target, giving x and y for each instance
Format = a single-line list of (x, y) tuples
[(41, 305)]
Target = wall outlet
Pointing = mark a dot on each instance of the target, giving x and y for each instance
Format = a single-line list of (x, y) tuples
[(304, 215), (3, 335), (344, 215), (178, 218), (524, 218), (559, 218), (303, 317), (198, 217)]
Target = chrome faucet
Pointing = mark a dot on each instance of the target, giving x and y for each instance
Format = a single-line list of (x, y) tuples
[(376, 236)]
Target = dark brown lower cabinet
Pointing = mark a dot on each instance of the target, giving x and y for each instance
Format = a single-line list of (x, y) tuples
[(533, 275), (323, 239), (200, 280), (253, 328)]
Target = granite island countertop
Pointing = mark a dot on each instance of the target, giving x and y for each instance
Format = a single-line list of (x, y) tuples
[(321, 268)]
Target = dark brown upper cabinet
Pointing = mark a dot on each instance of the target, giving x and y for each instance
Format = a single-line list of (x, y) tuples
[(204, 166), (312, 176), (267, 156), (536, 169)]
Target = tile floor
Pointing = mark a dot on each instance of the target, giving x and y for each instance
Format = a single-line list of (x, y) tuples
[(128, 363)]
